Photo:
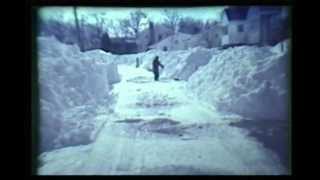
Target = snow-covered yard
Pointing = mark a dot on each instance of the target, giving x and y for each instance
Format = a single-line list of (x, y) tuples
[(131, 124)]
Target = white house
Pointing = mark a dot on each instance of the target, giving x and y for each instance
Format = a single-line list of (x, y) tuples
[(234, 19), (262, 25)]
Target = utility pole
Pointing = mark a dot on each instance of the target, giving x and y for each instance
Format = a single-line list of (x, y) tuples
[(80, 42)]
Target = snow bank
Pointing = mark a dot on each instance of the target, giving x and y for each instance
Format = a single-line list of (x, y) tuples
[(60, 159), (183, 57), (250, 81), (180, 41), (178, 64), (198, 58), (281, 46), (70, 79), (173, 61)]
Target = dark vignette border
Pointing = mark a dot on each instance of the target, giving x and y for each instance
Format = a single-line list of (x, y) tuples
[(31, 134)]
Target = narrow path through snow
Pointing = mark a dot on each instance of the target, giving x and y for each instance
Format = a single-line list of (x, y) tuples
[(161, 129), (139, 96)]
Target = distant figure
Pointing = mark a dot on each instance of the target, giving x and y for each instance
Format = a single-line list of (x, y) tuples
[(155, 67), (137, 63)]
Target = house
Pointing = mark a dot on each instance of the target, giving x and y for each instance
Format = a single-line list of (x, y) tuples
[(259, 25), (212, 33)]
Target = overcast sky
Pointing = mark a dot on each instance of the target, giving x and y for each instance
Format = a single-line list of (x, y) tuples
[(116, 13)]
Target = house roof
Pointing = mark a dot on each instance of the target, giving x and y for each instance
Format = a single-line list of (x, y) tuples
[(237, 13), (276, 9), (240, 13)]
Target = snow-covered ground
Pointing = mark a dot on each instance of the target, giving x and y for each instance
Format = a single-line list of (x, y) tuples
[(123, 122), (139, 96)]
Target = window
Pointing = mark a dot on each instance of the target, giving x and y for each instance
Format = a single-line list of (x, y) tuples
[(225, 30), (240, 28)]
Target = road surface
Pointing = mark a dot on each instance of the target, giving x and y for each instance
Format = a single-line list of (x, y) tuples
[(161, 129)]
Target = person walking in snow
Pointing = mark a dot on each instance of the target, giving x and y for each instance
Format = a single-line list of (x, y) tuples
[(137, 63), (155, 68)]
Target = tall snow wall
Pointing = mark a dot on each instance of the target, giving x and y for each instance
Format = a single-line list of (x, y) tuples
[(69, 78), (250, 81)]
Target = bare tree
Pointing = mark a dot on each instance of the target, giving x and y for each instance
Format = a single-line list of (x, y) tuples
[(105, 42), (152, 39), (132, 26), (113, 28), (78, 29), (125, 28), (99, 30), (136, 21), (91, 32), (172, 19), (211, 33), (99, 24), (190, 26)]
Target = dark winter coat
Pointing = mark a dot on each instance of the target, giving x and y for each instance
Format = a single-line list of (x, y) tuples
[(155, 65)]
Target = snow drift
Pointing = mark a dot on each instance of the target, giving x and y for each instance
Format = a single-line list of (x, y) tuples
[(70, 79), (197, 59), (178, 64), (250, 81), (180, 41)]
